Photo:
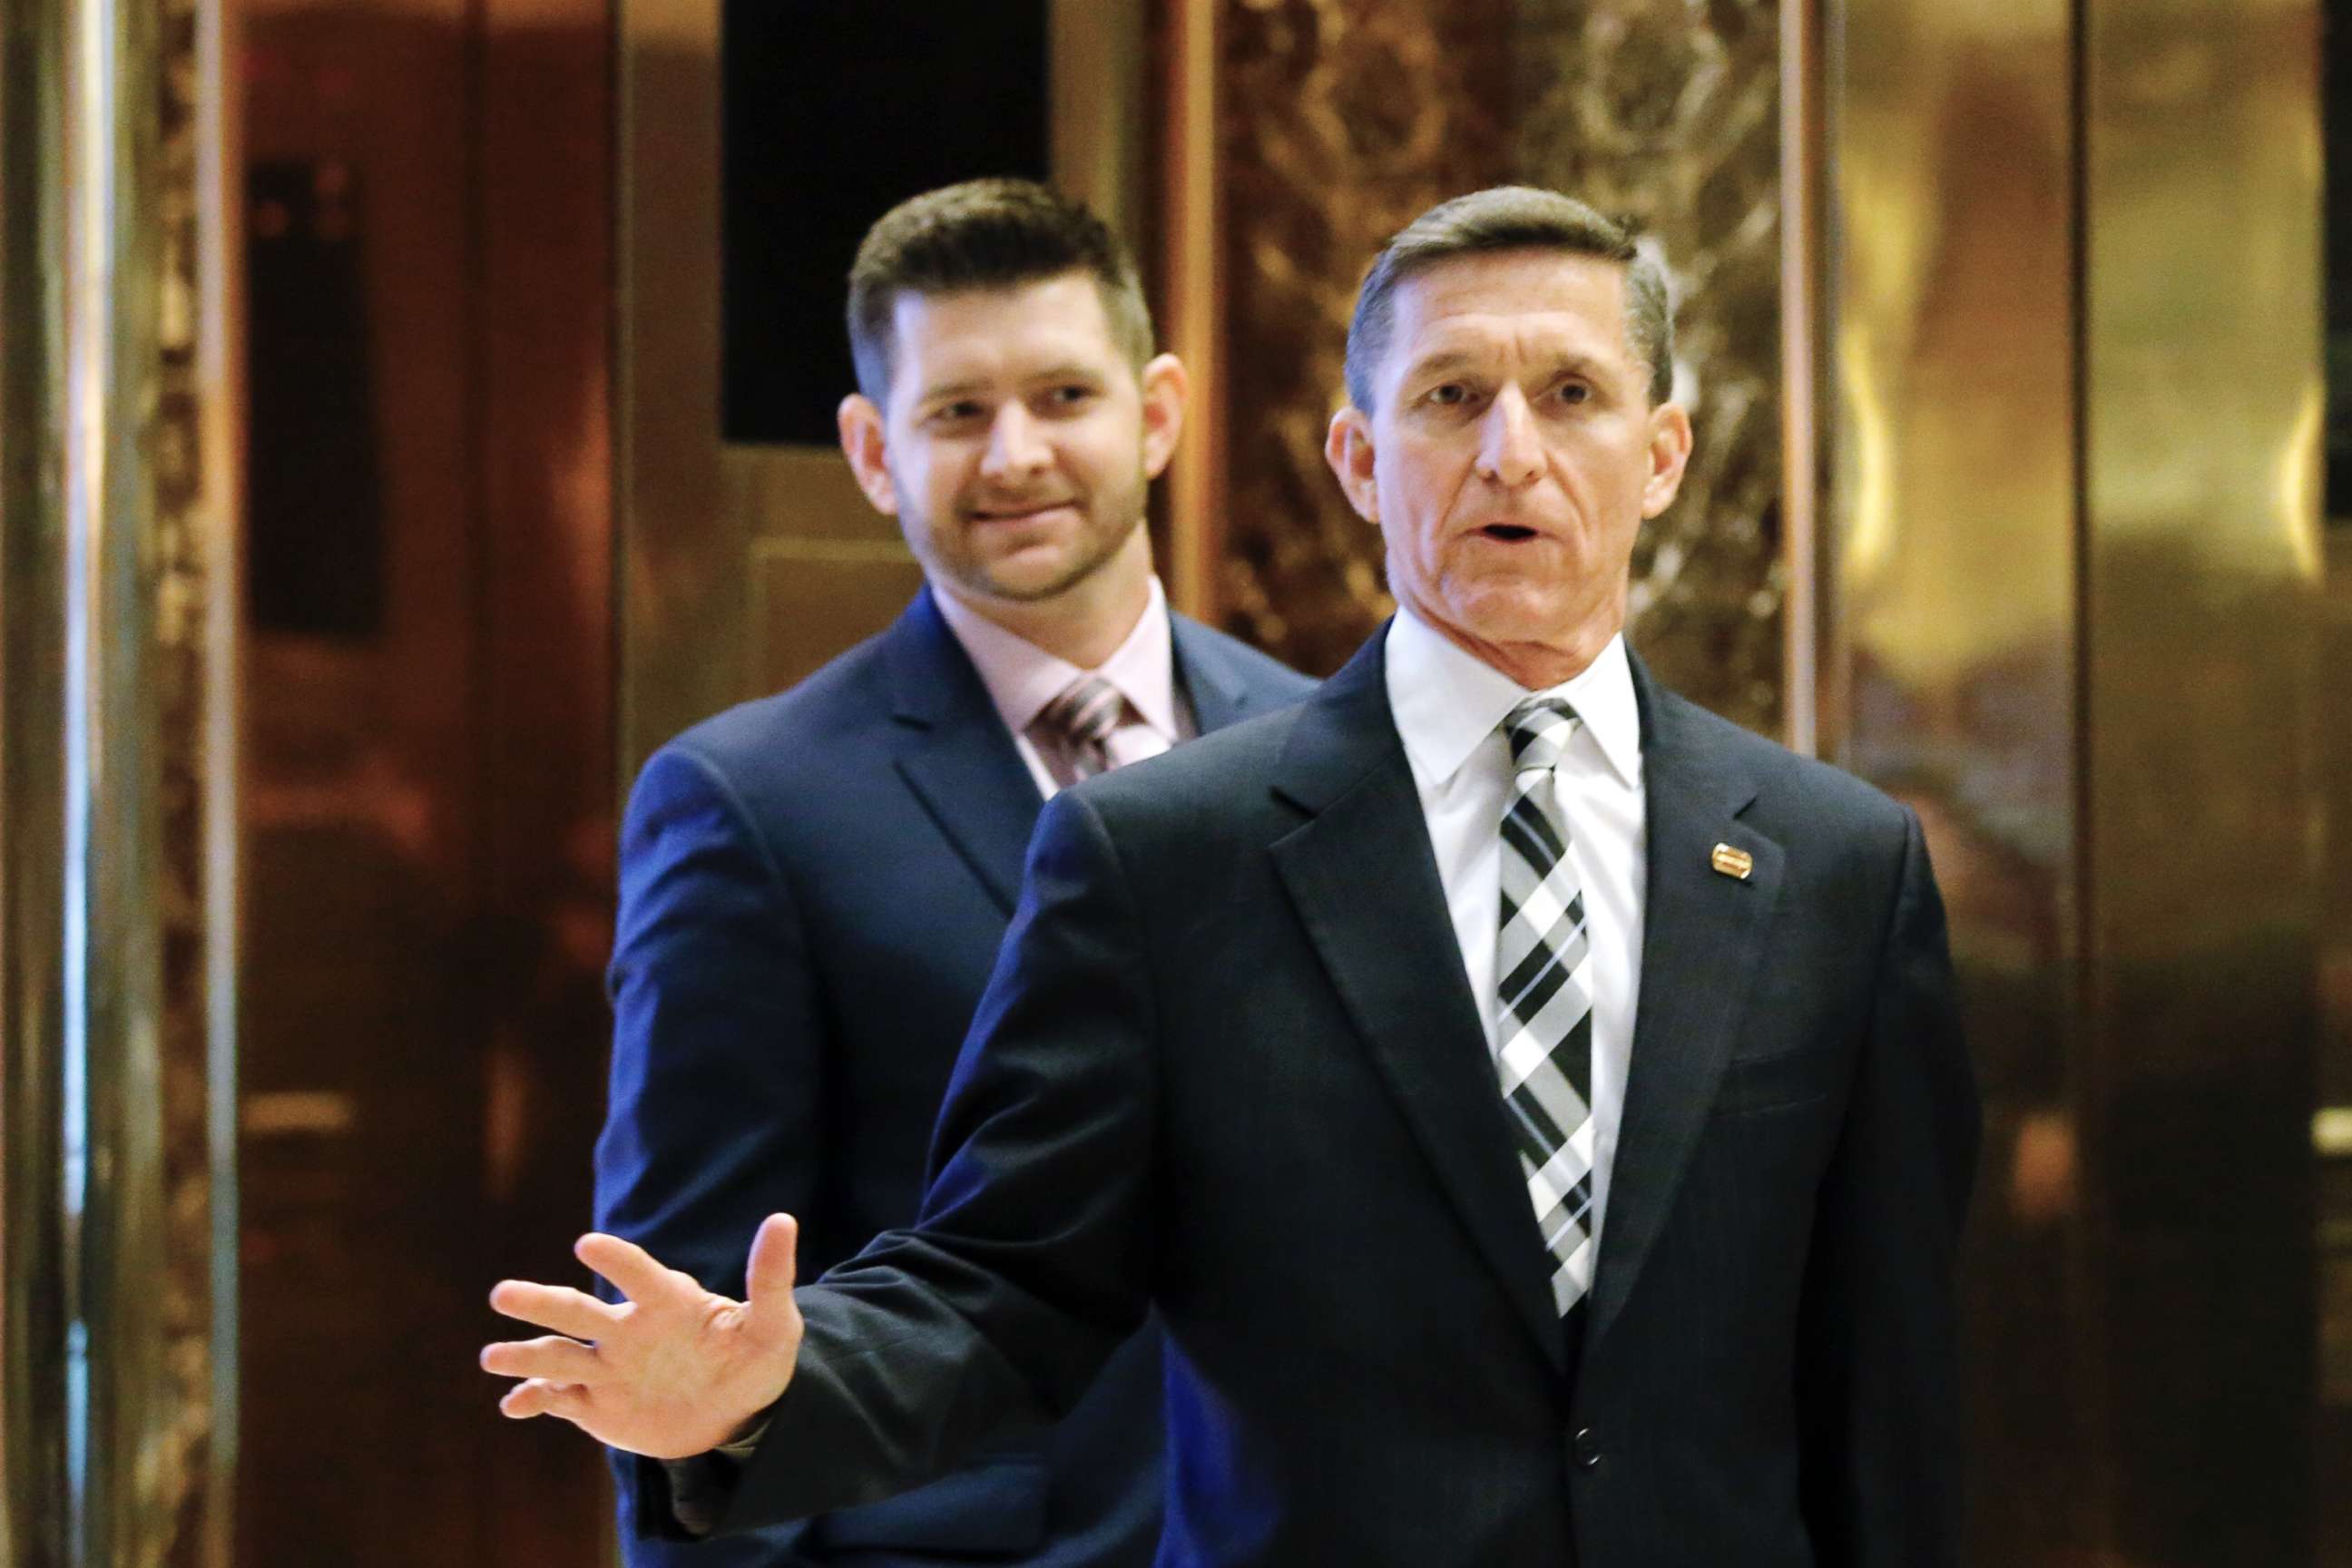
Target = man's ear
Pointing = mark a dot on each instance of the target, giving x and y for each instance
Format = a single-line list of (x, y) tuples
[(1347, 447), (1670, 450), (1167, 391), (864, 443)]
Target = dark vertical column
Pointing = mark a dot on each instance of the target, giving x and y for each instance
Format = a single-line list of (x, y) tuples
[(34, 1525), (113, 788)]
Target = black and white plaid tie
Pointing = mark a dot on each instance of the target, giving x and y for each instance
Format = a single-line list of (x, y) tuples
[(1078, 724), (1545, 1021)]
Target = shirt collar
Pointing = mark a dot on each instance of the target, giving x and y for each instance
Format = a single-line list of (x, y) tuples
[(1022, 677), (1447, 702)]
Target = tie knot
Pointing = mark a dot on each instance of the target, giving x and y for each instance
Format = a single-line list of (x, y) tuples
[(1086, 713), (1538, 730)]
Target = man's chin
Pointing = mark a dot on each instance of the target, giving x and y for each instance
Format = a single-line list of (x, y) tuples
[(1029, 582), (1506, 617)]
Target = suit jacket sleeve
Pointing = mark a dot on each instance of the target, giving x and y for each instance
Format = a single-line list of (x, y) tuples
[(718, 1045), (1027, 1265), (1877, 1381)]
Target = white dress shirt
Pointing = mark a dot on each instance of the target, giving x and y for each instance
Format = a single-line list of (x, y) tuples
[(1449, 707), (1022, 677)]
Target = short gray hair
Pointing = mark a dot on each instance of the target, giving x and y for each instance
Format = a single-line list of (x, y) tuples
[(1511, 217)]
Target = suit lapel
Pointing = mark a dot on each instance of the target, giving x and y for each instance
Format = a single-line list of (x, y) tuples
[(1205, 673), (1703, 934), (956, 754), (1361, 875), (963, 764)]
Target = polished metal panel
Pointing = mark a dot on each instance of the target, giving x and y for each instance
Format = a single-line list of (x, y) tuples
[(118, 1408), (698, 513), (1804, 291), (2071, 614), (1948, 632), (34, 1523), (110, 678), (1191, 310), (2202, 400), (216, 295)]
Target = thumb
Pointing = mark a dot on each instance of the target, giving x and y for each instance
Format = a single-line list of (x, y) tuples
[(768, 1282)]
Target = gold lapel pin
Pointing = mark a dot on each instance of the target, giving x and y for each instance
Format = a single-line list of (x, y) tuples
[(1733, 862)]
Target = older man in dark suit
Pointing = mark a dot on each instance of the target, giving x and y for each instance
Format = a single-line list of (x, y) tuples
[(813, 885), (1534, 1105)]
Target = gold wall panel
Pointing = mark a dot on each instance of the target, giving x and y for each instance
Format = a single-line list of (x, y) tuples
[(2204, 393), (1655, 111), (802, 591), (427, 816), (1948, 654), (2071, 615)]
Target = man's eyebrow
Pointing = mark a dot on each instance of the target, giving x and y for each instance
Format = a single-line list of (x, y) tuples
[(1568, 361), (1071, 370), (942, 391), (1441, 361)]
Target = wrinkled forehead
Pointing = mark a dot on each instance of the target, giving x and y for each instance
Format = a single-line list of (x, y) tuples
[(1512, 303)]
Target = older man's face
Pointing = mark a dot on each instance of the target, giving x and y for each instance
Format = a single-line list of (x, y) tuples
[(1514, 454)]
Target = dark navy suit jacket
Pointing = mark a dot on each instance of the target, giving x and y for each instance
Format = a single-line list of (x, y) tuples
[(1230, 1067), (814, 887)]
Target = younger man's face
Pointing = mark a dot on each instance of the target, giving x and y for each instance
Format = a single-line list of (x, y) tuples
[(1018, 440)]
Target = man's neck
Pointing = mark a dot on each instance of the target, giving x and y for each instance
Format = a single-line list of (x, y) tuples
[(1084, 624), (1537, 666)]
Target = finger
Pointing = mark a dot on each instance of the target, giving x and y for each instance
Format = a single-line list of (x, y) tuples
[(557, 1307), (553, 1358), (774, 1264), (540, 1397), (631, 1269)]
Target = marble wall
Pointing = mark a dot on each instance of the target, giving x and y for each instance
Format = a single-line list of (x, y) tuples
[(1341, 119), (190, 1525)]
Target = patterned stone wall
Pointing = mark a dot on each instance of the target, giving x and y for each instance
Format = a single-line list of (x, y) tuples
[(189, 1526), (1341, 119)]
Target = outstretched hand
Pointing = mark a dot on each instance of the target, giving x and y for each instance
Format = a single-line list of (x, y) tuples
[(673, 1371)]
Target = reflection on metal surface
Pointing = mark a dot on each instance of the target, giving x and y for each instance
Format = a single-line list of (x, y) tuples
[(2202, 341), (1193, 308), (2075, 550), (33, 1248), (1948, 653), (111, 675), (279, 1113), (2331, 1131), (426, 825), (1802, 303)]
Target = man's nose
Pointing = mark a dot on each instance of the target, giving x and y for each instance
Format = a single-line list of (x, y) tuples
[(1015, 444), (1510, 452)]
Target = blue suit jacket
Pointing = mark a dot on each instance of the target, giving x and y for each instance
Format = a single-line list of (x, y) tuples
[(1230, 1067), (813, 888)]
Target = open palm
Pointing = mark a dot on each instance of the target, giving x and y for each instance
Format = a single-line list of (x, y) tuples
[(674, 1370)]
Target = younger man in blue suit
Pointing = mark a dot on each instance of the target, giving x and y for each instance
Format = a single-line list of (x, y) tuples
[(813, 885)]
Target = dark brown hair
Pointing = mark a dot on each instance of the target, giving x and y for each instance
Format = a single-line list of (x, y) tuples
[(985, 234)]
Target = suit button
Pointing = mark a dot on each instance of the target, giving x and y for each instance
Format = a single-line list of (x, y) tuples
[(1588, 1449)]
